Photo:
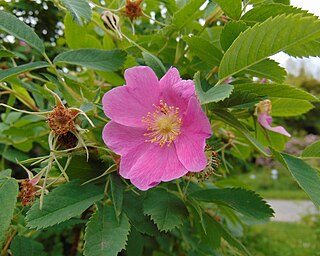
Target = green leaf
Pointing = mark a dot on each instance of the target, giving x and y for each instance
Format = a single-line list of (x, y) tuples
[(13, 26), (6, 73), (230, 32), (240, 100), (133, 207), (166, 210), (154, 63), (22, 94), (211, 237), (6, 53), (93, 58), (117, 188), (5, 173), (104, 235), (203, 49), (64, 202), (282, 1), (171, 5), (231, 7), (21, 245), (78, 9), (312, 150), (265, 39), (275, 90), (307, 49), (135, 243), (187, 14), (229, 119), (244, 201), (216, 231), (290, 107), (268, 69), (73, 30), (214, 94), (307, 177), (13, 155), (263, 12), (8, 199)]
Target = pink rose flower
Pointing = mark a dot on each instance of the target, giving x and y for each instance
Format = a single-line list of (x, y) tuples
[(264, 118), (157, 127)]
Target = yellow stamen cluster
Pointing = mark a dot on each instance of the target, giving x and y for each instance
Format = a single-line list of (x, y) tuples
[(163, 125)]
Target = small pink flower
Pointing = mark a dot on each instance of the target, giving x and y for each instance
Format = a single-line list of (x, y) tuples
[(157, 127), (264, 118)]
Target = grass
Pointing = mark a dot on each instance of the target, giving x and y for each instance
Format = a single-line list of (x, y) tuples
[(281, 187), (284, 194), (283, 239)]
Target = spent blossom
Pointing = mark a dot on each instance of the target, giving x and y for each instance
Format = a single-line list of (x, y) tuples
[(263, 110), (157, 127)]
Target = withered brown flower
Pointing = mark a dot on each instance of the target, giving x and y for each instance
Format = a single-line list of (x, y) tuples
[(27, 192), (61, 120), (133, 9)]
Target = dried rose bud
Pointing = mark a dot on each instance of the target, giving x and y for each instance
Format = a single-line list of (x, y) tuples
[(264, 107), (111, 20), (67, 141), (27, 192), (132, 9), (61, 120)]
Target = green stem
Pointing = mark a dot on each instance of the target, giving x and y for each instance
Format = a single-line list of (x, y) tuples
[(186, 188), (179, 189), (101, 118), (158, 22)]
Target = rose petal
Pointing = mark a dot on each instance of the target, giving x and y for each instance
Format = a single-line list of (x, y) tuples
[(151, 165), (266, 120), (195, 120), (128, 104), (179, 94), (170, 78), (190, 150), (121, 139)]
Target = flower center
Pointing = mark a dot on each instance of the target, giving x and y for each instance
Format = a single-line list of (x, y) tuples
[(163, 125)]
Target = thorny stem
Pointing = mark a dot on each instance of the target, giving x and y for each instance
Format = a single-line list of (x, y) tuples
[(6, 247)]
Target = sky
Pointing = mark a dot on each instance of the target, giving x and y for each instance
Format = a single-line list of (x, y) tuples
[(312, 64)]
